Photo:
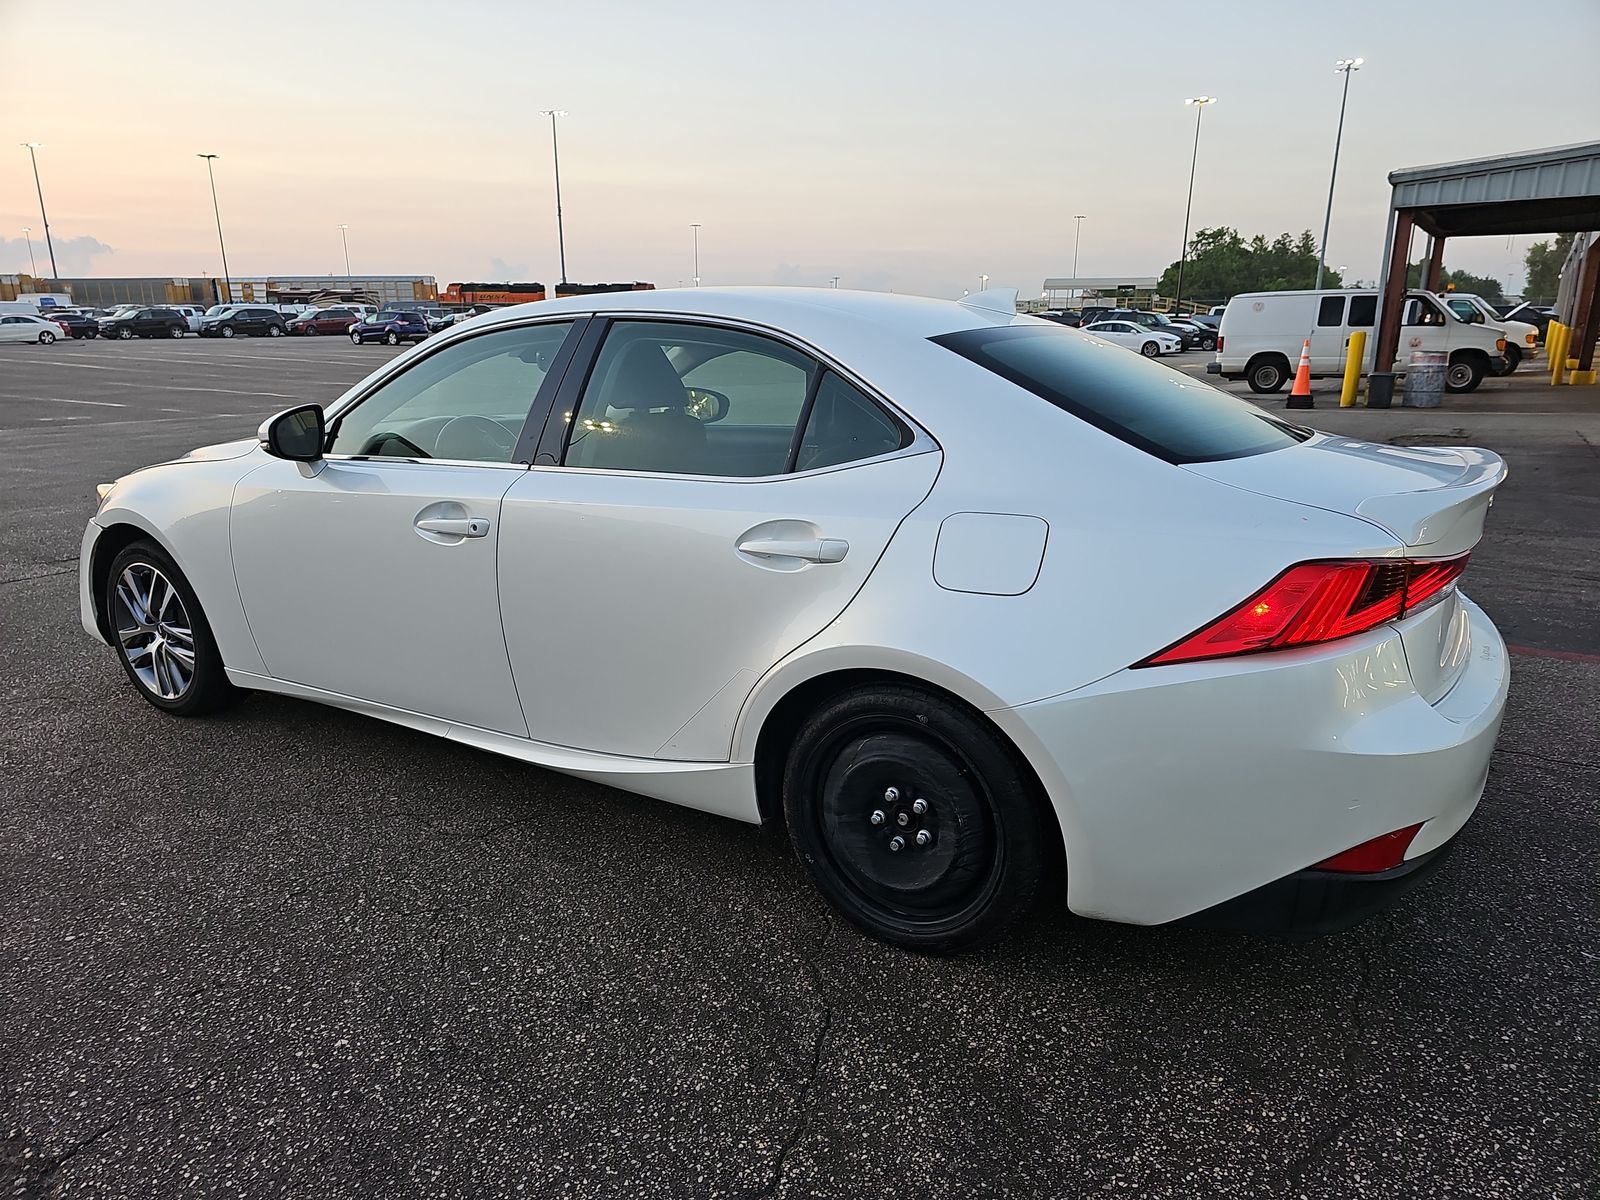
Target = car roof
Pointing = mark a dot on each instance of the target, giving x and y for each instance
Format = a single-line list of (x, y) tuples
[(804, 312)]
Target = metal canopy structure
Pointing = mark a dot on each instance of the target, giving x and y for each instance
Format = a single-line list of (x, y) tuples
[(1555, 190)]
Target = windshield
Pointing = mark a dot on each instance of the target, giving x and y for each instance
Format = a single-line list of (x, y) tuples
[(1161, 411), (216, 310)]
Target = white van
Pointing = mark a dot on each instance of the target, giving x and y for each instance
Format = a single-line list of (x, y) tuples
[(17, 308), (1522, 339), (1262, 333)]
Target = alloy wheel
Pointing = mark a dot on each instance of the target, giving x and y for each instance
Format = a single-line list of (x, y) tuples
[(154, 630)]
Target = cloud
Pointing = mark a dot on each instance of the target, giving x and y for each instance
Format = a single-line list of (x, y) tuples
[(501, 271), (74, 256)]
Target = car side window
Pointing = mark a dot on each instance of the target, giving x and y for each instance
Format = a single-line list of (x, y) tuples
[(467, 402), (1363, 311), (1331, 311), (686, 399), (845, 426)]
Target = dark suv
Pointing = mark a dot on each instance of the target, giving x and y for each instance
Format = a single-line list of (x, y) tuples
[(145, 322), (247, 319)]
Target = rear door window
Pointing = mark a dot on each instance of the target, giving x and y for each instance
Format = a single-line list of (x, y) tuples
[(1161, 411), (1331, 311), (1363, 311)]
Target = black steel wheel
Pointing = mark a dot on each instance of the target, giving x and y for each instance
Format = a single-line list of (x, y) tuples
[(161, 635), (1267, 375), (915, 819)]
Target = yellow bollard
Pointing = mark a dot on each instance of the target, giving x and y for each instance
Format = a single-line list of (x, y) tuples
[(1555, 345), (1352, 368)]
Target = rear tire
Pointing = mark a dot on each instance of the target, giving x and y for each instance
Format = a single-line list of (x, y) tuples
[(1267, 375), (969, 864), (46, 338), (176, 331), (166, 649), (393, 339)]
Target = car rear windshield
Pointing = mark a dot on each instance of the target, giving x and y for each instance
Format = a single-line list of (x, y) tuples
[(1161, 411)]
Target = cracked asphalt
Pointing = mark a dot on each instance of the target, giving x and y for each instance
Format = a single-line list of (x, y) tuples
[(292, 951)]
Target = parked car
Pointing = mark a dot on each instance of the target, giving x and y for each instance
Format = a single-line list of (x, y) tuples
[(324, 320), (1537, 315), (1194, 336), (74, 324), (813, 554), (246, 320), (21, 327), (391, 327), (1062, 316), (144, 322), (1522, 338), (1262, 334), (192, 314), (1147, 341)]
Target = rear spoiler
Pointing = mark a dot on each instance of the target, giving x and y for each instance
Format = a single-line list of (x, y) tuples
[(1444, 520)]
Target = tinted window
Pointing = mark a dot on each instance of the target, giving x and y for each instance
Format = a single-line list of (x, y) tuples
[(845, 426), (1331, 311), (1157, 409), (690, 400), (467, 402), (1363, 311)]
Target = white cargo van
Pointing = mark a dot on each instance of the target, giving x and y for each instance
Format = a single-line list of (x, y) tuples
[(1522, 339), (1262, 333)]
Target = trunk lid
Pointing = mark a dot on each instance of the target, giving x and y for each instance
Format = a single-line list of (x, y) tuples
[(1433, 500)]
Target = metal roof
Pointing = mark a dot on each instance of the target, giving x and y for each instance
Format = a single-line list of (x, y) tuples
[(1553, 190)]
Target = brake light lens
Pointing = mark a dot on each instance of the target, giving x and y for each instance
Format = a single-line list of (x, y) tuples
[(1317, 602), (1219, 342)]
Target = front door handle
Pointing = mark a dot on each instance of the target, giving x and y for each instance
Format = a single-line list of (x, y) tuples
[(817, 550), (467, 527)]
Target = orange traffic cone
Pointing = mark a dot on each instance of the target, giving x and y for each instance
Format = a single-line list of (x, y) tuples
[(1300, 394)]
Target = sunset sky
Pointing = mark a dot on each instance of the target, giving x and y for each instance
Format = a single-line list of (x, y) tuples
[(897, 145)]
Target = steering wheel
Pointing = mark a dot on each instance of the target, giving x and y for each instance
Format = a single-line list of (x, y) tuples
[(378, 445), (480, 439)]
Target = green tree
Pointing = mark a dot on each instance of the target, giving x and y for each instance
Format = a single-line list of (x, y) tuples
[(1543, 262), (1459, 281), (1222, 264)]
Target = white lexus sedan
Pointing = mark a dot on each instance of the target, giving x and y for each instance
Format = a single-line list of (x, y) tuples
[(978, 605), (1148, 342)]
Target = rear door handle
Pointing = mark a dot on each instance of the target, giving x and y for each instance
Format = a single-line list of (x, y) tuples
[(467, 527), (817, 550)]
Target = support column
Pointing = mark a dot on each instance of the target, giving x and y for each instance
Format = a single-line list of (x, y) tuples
[(1380, 386), (1430, 279), (1586, 320)]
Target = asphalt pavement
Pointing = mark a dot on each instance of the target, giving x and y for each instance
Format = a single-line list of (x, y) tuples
[(290, 951)]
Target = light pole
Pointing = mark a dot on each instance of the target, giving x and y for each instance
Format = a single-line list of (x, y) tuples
[(834, 282), (1199, 103), (344, 237), (555, 156), (33, 267), (227, 278), (1077, 237), (49, 245), (695, 225), (1343, 67), (983, 283)]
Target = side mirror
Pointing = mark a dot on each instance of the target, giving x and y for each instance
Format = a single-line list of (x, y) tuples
[(706, 406), (296, 434)]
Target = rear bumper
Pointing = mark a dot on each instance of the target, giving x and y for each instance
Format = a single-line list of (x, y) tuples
[(1179, 788), (1311, 903)]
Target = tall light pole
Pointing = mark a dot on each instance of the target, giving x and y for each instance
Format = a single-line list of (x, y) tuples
[(695, 225), (344, 237), (1343, 67), (227, 279), (983, 283), (1199, 103), (1077, 237), (49, 245), (555, 156), (33, 267)]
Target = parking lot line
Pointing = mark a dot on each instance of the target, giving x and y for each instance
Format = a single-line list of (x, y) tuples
[(64, 400)]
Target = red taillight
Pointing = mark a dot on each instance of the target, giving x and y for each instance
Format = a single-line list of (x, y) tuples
[(1382, 853), (1318, 602), (1219, 343)]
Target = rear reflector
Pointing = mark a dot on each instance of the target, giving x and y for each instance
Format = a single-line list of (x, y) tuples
[(1318, 602), (1382, 853)]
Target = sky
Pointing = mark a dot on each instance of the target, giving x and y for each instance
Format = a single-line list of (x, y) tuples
[(896, 145)]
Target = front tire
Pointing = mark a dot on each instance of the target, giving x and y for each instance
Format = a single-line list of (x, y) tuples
[(1513, 358), (1208, 343), (310, 331), (1150, 349), (162, 638), (125, 334), (227, 331), (951, 873), (355, 339), (274, 330), (1464, 374)]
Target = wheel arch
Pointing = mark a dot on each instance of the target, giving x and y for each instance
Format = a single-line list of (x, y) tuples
[(113, 539)]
